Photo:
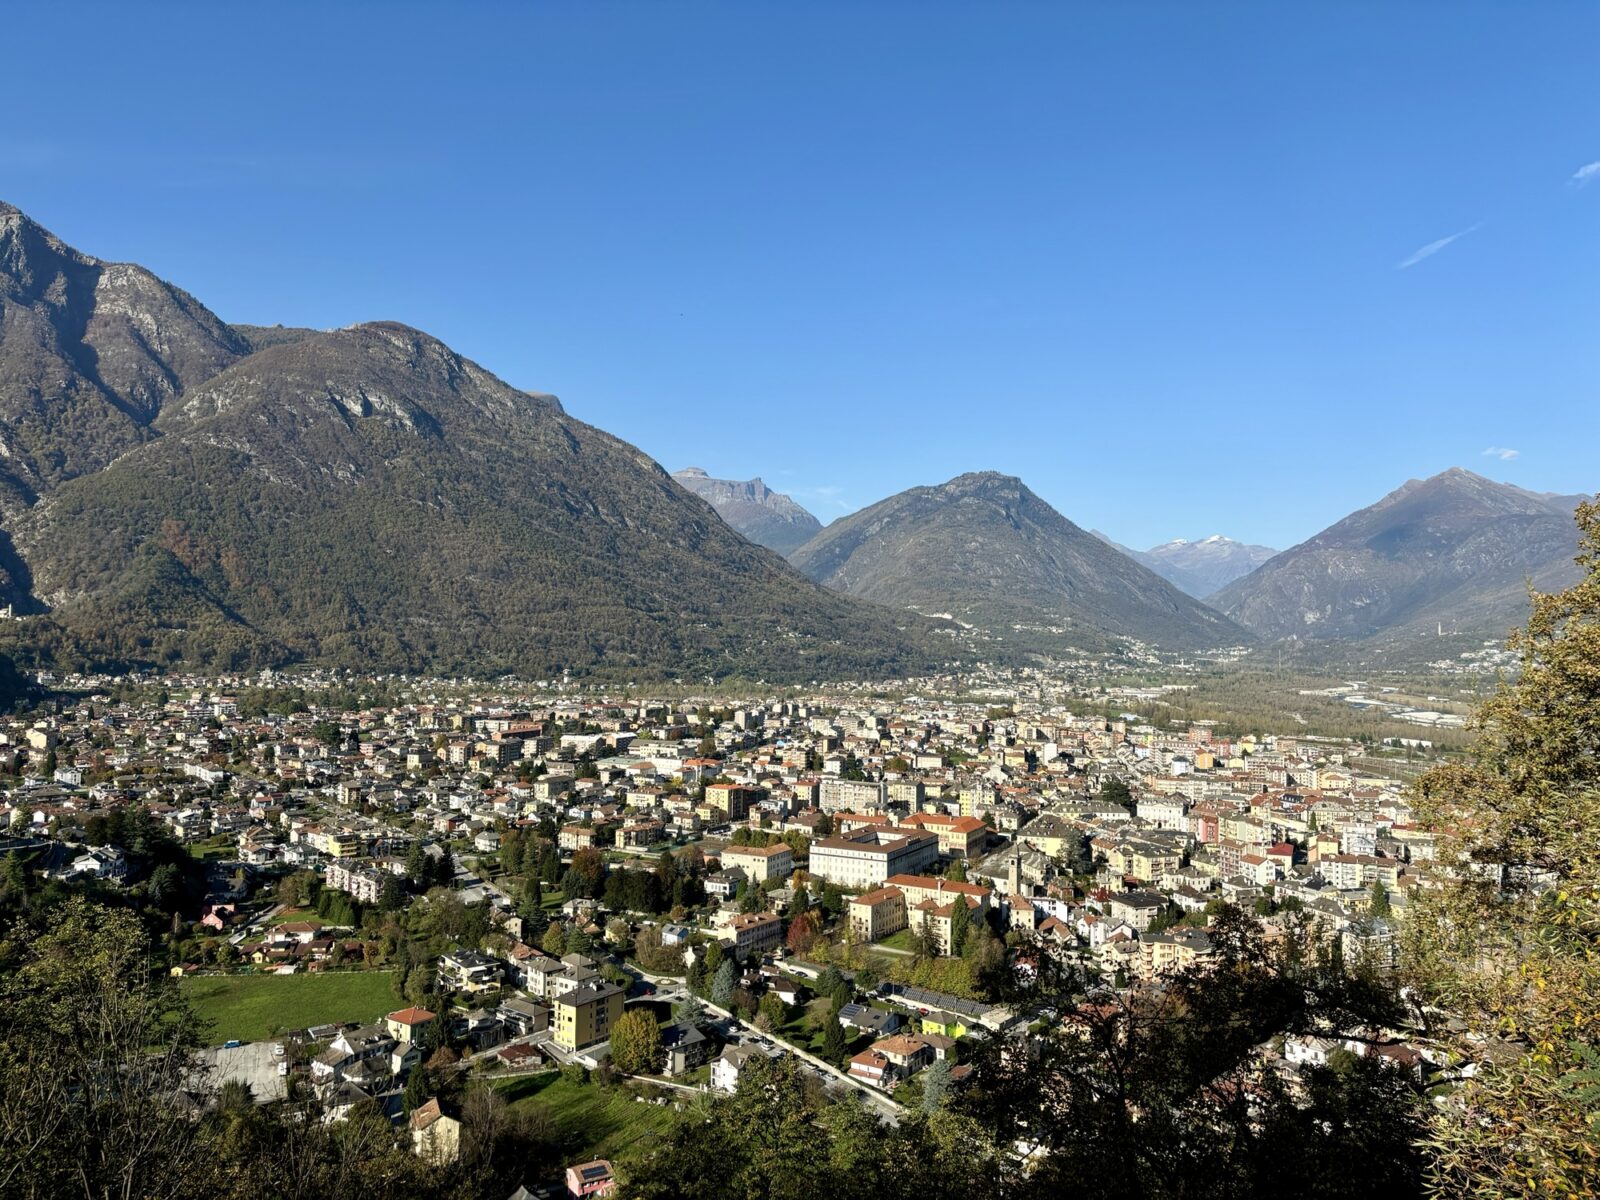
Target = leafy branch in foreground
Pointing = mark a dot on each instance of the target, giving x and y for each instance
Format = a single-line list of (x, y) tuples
[(1511, 941)]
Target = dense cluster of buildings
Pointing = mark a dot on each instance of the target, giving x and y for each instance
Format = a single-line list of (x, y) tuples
[(1107, 835)]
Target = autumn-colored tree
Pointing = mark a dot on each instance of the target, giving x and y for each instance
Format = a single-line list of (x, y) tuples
[(636, 1043), (555, 940), (1510, 942), (590, 865), (803, 932)]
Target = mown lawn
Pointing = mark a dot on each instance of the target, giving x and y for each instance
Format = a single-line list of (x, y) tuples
[(590, 1121), (252, 1007), (902, 940)]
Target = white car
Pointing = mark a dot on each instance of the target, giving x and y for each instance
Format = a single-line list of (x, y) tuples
[(283, 1069)]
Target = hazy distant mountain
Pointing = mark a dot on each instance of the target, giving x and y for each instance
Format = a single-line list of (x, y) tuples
[(363, 497), (1455, 550), (1199, 568), (766, 517), (986, 550)]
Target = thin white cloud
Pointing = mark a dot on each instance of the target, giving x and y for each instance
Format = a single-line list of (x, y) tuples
[(1433, 248), (1586, 173), (1501, 452)]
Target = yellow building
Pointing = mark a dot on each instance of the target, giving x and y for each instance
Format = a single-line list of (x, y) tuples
[(587, 1015), (877, 914)]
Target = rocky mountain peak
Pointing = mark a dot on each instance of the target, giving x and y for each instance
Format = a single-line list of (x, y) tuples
[(765, 517), (986, 549)]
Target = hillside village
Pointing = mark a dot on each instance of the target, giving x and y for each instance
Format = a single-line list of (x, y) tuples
[(845, 879)]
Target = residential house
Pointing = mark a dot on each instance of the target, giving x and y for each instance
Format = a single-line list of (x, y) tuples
[(435, 1135), (594, 1178), (469, 971)]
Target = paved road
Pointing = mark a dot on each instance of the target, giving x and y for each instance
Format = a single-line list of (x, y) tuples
[(830, 1076)]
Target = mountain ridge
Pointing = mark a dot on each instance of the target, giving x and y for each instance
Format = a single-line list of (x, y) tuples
[(1198, 567), (1454, 551), (987, 550), (765, 517), (366, 497)]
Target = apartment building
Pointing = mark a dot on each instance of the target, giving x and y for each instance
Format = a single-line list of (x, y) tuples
[(865, 858), (586, 1015), (760, 863), (755, 934)]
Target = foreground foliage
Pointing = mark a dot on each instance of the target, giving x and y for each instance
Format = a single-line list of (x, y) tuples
[(1511, 945)]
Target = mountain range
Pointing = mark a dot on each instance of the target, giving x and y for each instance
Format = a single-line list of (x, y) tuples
[(765, 517), (1199, 567), (986, 551), (176, 488), (1452, 553)]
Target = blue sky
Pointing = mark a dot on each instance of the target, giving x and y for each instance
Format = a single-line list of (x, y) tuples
[(1186, 269)]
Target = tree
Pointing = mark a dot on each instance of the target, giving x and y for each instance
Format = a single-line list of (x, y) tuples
[(15, 873), (722, 984), (960, 925), (802, 934), (691, 1011), (392, 896), (833, 899), (84, 1008), (772, 1008), (417, 1091), (834, 1045), (1115, 791), (830, 982), (636, 1043), (236, 1097), (1379, 905), (1508, 945), (782, 1136), (1163, 1093), (555, 940), (936, 1085)]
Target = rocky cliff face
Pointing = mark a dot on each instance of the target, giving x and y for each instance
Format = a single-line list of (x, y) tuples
[(766, 517), (90, 354), (366, 497)]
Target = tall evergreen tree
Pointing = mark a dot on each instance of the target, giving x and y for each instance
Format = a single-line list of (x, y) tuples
[(722, 984)]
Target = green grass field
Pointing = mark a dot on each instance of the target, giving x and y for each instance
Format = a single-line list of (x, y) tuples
[(591, 1121), (250, 1007)]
